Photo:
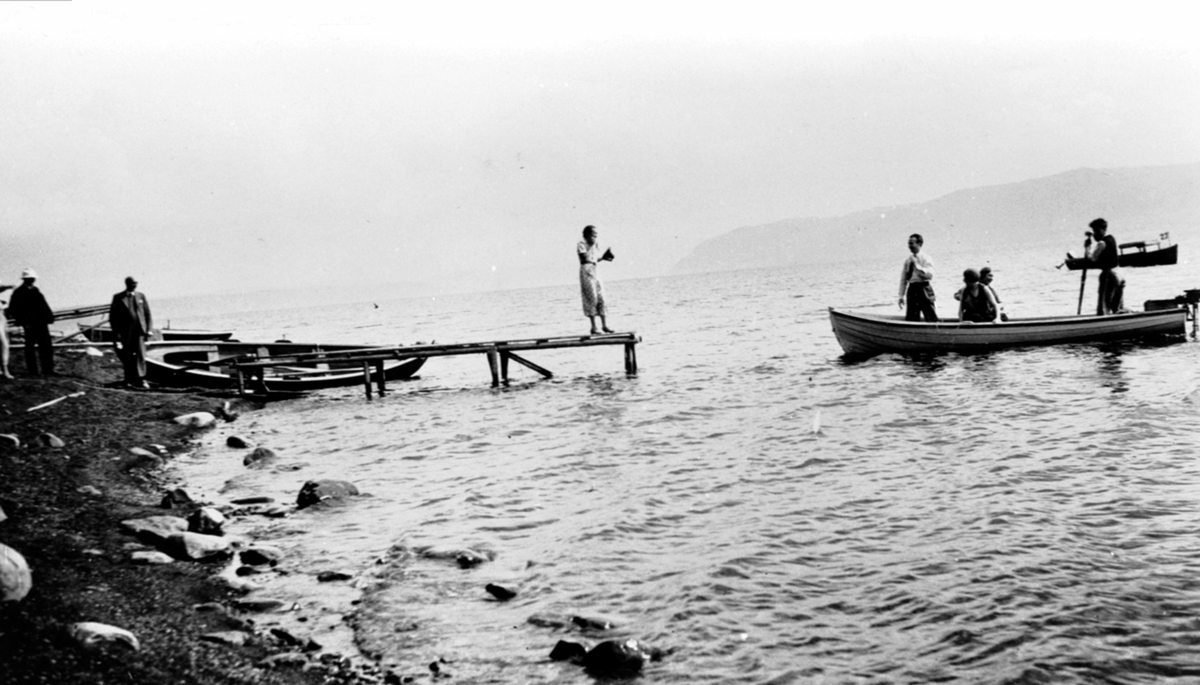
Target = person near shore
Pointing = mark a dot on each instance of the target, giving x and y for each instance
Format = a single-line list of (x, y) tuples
[(129, 316), (591, 288), (29, 309), (915, 287), (1103, 254), (976, 302), (4, 372)]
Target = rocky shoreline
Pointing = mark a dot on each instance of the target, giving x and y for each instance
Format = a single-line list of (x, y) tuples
[(111, 602), (134, 579)]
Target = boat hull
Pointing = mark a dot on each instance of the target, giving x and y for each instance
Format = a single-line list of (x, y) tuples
[(1164, 256), (208, 365), (864, 335)]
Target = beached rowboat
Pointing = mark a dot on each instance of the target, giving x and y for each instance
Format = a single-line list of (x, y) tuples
[(864, 335), (208, 365), (103, 334)]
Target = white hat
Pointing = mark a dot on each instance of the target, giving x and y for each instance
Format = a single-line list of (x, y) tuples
[(28, 273)]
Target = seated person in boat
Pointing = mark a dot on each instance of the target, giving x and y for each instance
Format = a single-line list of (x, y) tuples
[(985, 279), (1103, 254), (915, 287), (977, 304)]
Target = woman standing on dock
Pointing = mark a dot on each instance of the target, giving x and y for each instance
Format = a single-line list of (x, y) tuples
[(589, 281)]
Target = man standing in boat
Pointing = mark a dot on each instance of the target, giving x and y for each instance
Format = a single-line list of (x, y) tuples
[(1103, 254), (129, 316), (915, 286)]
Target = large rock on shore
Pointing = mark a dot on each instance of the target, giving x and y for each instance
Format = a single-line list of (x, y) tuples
[(196, 547), (317, 491), (260, 457), (15, 578), (207, 521), (155, 530), (616, 659)]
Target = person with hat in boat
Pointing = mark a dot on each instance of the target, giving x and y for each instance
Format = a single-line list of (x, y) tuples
[(29, 310), (915, 287), (1103, 254), (129, 316), (976, 303)]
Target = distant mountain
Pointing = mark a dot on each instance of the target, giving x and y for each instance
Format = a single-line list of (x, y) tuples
[(1139, 204)]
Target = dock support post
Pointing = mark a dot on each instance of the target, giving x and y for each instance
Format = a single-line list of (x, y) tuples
[(367, 378), (630, 359), (504, 366), (494, 363), (241, 382), (379, 381)]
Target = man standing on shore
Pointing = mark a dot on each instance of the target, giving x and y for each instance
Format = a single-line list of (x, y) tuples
[(129, 316), (28, 308)]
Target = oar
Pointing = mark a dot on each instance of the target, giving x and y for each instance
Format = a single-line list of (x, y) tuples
[(1082, 277)]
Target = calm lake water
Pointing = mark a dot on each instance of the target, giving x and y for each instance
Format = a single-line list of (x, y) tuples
[(751, 503)]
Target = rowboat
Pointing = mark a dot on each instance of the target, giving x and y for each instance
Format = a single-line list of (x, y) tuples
[(104, 334), (865, 335), (208, 364), (1135, 254)]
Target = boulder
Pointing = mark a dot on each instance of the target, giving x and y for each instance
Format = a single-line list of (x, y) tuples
[(206, 520), (260, 457), (226, 637), (317, 491), (333, 576), (95, 635), (613, 658), (237, 441), (200, 419), (261, 555), (52, 440), (196, 547), (176, 498), (259, 605), (15, 578), (568, 651), (500, 592), (155, 530), (150, 557)]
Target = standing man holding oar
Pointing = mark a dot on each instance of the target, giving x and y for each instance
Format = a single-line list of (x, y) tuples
[(1104, 255), (129, 316)]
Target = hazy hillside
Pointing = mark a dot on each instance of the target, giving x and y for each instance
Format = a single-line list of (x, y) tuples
[(1139, 203)]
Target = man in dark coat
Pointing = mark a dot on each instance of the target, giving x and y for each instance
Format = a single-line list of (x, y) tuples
[(28, 308), (129, 316)]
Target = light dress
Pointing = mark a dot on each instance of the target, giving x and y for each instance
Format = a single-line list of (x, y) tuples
[(590, 286)]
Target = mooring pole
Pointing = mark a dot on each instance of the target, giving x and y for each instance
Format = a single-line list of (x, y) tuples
[(630, 359), (367, 378)]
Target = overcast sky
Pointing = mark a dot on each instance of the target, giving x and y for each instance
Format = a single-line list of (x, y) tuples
[(207, 146)]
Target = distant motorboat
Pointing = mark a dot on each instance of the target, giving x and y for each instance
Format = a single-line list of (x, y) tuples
[(1136, 254)]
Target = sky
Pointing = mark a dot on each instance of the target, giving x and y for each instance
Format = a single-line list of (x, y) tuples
[(223, 147)]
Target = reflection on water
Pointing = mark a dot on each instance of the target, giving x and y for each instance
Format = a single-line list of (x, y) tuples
[(759, 507)]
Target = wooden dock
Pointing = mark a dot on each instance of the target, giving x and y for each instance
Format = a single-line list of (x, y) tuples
[(498, 353)]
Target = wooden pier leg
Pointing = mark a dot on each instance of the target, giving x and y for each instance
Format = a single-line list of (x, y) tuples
[(504, 367), (367, 378), (380, 380), (630, 359), (241, 382), (494, 363)]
